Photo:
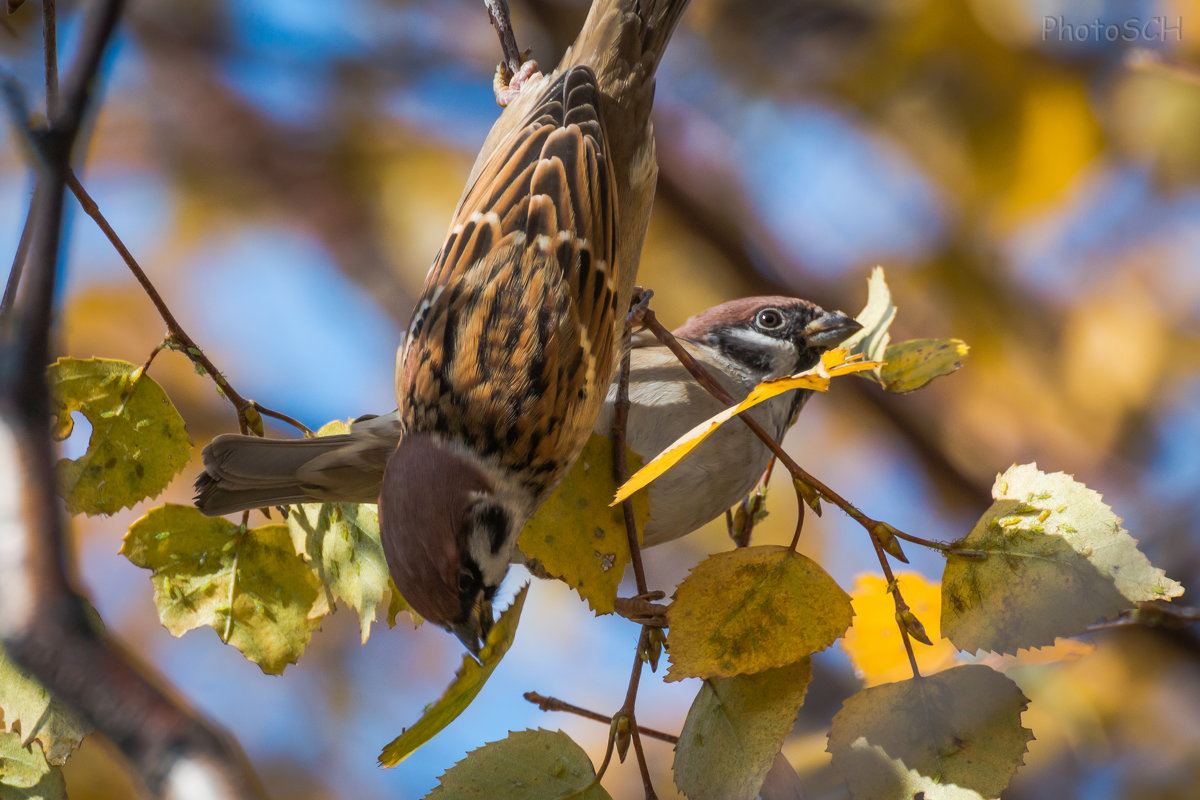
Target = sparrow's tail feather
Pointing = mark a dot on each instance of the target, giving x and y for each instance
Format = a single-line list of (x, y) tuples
[(244, 472)]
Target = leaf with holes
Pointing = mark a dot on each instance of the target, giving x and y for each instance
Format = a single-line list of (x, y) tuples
[(751, 609), (250, 586), (26, 706), (734, 730), (138, 442), (833, 364), (1046, 560), (471, 677), (526, 765), (961, 726), (575, 535)]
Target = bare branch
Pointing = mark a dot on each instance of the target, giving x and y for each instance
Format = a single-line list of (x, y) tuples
[(44, 623)]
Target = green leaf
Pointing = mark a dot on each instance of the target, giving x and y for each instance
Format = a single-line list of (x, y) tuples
[(734, 730), (471, 677), (876, 317), (961, 726), (527, 765), (25, 774), (1055, 559), (138, 441), (751, 609), (575, 535), (26, 706), (914, 363), (248, 585), (342, 541)]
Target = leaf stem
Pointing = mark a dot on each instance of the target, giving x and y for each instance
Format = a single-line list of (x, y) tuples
[(900, 604), (554, 704)]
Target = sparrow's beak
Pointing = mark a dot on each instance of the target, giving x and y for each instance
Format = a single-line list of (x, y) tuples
[(473, 631), (832, 327)]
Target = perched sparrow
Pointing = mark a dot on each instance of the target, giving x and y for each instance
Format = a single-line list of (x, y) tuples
[(515, 335), (743, 343)]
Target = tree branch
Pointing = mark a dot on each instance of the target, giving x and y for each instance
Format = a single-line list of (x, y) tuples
[(44, 623)]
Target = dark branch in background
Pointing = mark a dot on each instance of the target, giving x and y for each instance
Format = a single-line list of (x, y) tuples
[(50, 55), (44, 623)]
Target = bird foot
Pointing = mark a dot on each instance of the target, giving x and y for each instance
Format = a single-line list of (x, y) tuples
[(507, 84), (643, 610), (638, 306)]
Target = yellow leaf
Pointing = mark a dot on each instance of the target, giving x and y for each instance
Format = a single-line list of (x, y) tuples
[(751, 609), (471, 677), (914, 363), (833, 364), (248, 585), (873, 642), (575, 536), (138, 442)]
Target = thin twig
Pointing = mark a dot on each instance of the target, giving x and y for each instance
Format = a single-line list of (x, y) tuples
[(898, 602), (183, 342), (635, 678), (554, 704), (621, 466), (18, 266), (751, 507), (1152, 615), (43, 622), (501, 20)]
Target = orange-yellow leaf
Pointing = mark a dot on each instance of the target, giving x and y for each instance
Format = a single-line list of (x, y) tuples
[(833, 364), (873, 642)]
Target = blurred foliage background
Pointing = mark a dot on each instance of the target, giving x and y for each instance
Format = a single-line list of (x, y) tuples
[(285, 170)]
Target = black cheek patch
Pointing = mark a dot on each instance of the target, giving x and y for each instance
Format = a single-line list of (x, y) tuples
[(495, 520), (742, 352)]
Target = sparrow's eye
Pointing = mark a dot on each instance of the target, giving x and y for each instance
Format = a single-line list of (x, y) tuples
[(468, 581), (769, 319)]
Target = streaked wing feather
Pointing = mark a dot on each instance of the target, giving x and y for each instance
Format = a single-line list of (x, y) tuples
[(511, 348)]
